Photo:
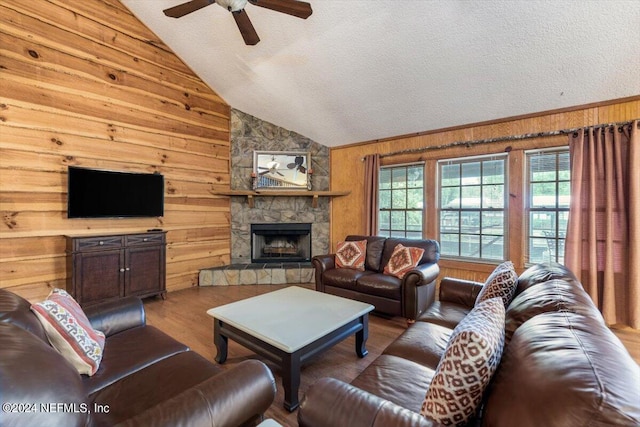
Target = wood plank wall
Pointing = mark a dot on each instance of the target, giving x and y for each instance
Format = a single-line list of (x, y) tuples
[(85, 83), (347, 167)]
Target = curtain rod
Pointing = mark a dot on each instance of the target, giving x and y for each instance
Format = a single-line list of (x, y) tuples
[(505, 138)]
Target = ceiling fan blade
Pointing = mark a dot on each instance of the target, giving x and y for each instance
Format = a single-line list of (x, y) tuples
[(297, 8), (187, 8), (246, 27)]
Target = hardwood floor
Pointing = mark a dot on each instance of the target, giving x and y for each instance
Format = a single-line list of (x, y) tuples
[(183, 316)]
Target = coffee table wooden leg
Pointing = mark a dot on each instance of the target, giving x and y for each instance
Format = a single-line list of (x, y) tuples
[(362, 336), (291, 380), (220, 341)]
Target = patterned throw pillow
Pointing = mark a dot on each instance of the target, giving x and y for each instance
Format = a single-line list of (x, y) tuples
[(70, 332), (403, 259), (469, 361), (502, 283), (351, 254)]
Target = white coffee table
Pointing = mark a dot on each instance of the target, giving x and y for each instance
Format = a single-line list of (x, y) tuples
[(289, 326)]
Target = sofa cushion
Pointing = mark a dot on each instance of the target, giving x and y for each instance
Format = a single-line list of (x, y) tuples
[(70, 332), (154, 385), (422, 342), (402, 260), (381, 285), (375, 246), (501, 283), (445, 313), (431, 250), (344, 277), (553, 296), (542, 273), (351, 254), (469, 361), (564, 369), (130, 351), (398, 380)]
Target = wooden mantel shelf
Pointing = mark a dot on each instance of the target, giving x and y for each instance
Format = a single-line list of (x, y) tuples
[(250, 194)]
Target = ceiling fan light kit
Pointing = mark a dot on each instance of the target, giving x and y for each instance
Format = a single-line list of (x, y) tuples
[(299, 9), (232, 5)]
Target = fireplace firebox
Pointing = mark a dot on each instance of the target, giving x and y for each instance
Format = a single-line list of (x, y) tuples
[(289, 242)]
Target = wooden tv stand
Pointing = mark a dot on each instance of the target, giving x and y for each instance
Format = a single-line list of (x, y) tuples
[(109, 267)]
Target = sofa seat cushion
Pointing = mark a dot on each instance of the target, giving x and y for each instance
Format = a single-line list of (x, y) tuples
[(398, 380), (423, 343), (343, 277), (381, 285), (130, 351), (445, 313), (564, 369), (155, 384)]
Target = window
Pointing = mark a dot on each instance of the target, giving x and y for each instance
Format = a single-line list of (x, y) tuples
[(472, 208), (401, 201), (547, 196)]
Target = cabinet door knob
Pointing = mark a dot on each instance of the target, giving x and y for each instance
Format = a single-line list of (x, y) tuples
[(122, 270), (127, 269), (145, 239), (100, 243)]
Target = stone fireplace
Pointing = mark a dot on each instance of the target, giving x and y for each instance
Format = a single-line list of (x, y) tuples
[(248, 134), (289, 242)]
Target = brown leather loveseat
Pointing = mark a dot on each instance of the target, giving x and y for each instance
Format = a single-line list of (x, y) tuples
[(145, 377), (407, 297), (561, 365)]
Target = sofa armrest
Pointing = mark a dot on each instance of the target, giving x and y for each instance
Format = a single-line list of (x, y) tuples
[(459, 291), (419, 289), (116, 316), (322, 263), (330, 402), (230, 399)]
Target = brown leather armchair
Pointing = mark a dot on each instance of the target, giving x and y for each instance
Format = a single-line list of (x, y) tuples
[(407, 297)]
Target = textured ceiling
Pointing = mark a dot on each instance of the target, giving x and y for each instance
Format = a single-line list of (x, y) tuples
[(359, 70)]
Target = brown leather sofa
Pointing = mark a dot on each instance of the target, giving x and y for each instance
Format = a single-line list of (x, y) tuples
[(561, 366), (407, 297), (145, 378)]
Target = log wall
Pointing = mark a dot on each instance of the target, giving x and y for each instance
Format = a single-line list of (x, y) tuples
[(347, 167), (85, 83)]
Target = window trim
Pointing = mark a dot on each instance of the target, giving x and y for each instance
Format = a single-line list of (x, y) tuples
[(422, 164), (505, 209), (526, 199)]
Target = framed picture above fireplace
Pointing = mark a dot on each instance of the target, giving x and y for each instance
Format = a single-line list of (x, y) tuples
[(284, 170)]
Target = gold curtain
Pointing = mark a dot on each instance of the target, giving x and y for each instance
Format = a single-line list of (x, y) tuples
[(371, 176), (603, 235)]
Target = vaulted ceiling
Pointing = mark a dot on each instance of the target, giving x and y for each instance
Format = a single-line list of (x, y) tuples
[(358, 70)]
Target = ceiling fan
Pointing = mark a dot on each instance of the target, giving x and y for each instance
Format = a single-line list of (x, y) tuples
[(295, 8)]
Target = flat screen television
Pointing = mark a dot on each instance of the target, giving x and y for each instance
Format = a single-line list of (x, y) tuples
[(94, 193)]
